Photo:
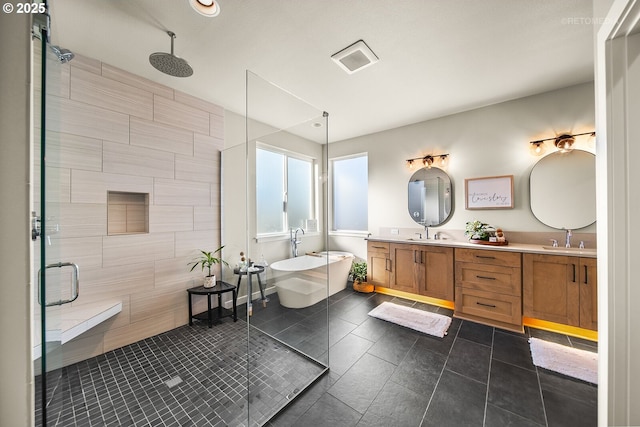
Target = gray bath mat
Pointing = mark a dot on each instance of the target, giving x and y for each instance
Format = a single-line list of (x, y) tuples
[(419, 320)]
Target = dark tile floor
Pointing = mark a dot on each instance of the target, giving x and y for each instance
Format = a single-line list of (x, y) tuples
[(381, 374), (190, 376), (386, 375)]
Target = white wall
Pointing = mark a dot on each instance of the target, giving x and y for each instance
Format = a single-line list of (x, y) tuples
[(488, 141)]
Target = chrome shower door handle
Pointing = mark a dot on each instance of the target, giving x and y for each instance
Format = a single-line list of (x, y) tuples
[(75, 284)]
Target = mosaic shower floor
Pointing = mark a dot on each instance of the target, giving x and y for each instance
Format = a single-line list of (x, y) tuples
[(191, 375)]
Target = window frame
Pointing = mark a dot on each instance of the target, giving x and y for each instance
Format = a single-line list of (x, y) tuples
[(331, 210), (287, 154)]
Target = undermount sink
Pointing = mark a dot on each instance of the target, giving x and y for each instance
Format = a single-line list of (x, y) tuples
[(577, 250), (415, 239)]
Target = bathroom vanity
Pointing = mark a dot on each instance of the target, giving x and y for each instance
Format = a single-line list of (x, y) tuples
[(561, 289), (506, 286), (489, 287), (413, 268), (502, 286)]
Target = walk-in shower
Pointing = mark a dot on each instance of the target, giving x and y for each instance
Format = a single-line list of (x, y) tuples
[(91, 119)]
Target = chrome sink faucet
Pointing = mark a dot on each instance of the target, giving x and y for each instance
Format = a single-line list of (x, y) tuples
[(426, 232), (294, 240), (567, 238)]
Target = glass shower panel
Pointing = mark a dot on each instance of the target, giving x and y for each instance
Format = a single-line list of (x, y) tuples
[(55, 278), (287, 307)]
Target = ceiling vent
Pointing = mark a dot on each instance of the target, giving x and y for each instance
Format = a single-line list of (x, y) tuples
[(355, 57)]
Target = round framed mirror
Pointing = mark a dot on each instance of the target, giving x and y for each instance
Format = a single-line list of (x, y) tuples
[(430, 197), (563, 189)]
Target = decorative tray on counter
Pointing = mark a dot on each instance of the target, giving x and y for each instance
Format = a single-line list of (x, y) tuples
[(486, 242)]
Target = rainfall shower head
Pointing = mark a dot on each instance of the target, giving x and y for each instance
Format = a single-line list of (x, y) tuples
[(64, 55), (170, 64)]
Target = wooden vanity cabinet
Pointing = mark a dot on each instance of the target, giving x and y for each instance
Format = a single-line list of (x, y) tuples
[(403, 260), (418, 269), (489, 287), (434, 271), (422, 269), (561, 289), (378, 263)]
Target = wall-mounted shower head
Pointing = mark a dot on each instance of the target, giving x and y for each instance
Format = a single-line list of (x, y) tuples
[(170, 64), (64, 55)]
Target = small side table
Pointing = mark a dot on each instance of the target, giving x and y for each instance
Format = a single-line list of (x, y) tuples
[(219, 289), (254, 270)]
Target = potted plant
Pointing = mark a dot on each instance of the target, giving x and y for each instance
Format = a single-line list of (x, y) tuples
[(478, 230), (208, 260), (359, 275)]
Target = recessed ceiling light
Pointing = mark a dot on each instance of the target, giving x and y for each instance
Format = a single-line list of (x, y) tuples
[(209, 8), (355, 57)]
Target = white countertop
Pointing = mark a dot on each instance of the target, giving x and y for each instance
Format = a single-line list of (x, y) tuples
[(511, 247)]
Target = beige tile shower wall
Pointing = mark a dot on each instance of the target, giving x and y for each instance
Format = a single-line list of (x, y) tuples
[(114, 131)]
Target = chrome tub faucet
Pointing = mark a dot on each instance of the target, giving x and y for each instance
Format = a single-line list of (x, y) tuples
[(294, 240)]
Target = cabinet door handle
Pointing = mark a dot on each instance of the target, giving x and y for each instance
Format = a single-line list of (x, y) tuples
[(486, 277), (379, 247), (387, 264), (485, 305), (574, 272), (485, 257), (586, 278)]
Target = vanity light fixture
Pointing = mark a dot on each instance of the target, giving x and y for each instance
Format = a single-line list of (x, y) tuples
[(428, 160), (564, 142), (208, 8), (538, 147)]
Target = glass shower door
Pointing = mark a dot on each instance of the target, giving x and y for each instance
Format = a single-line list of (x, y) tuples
[(286, 309), (55, 276)]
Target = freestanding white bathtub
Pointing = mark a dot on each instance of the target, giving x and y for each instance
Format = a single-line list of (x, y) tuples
[(302, 281)]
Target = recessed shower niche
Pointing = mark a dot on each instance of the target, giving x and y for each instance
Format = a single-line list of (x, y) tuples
[(127, 213)]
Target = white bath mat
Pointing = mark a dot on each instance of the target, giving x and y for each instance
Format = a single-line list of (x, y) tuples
[(419, 320), (581, 364)]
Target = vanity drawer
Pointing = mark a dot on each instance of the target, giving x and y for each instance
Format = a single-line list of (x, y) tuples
[(382, 247), (487, 256), (487, 305), (489, 278)]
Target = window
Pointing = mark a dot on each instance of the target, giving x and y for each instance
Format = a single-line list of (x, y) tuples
[(349, 177), (284, 191)]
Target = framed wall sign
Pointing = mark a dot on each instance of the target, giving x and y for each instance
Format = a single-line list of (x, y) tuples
[(492, 192)]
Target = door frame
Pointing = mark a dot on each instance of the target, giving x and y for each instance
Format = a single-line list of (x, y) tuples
[(616, 80)]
